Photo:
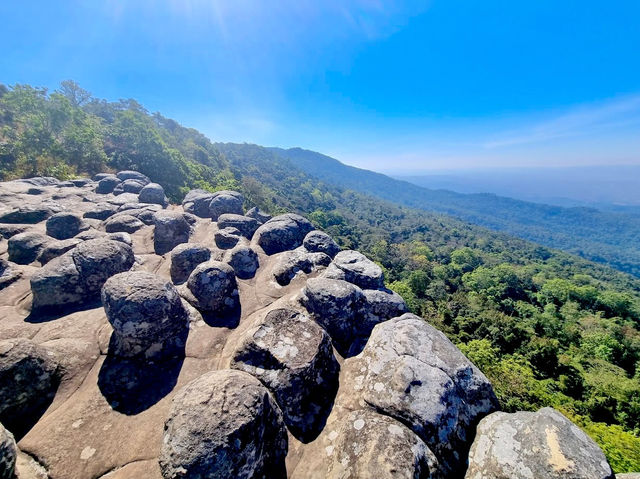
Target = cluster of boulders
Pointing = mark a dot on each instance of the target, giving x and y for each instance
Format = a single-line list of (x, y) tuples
[(323, 372)]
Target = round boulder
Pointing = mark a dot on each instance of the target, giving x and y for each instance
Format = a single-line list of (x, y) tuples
[(128, 186), (24, 248), (8, 273), (534, 444), (8, 454), (225, 202), (122, 223), (152, 193), (57, 248), (282, 233), (101, 211), (226, 238), (258, 215), (107, 184), (29, 214), (197, 202), (223, 425), (320, 242), (213, 288), (133, 175), (243, 260), (171, 229), (291, 263), (244, 224), (147, 315), (64, 225), (356, 268), (184, 259), (29, 379), (294, 358)]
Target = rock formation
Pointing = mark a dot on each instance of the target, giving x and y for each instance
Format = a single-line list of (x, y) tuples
[(145, 340)]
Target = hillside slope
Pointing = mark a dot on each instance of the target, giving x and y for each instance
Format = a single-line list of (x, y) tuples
[(605, 237)]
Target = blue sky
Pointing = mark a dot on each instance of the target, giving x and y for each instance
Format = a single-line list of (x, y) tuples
[(383, 85)]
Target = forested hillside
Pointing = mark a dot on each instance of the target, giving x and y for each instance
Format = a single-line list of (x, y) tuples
[(610, 237), (548, 328)]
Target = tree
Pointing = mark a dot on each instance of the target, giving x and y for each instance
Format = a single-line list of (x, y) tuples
[(74, 93)]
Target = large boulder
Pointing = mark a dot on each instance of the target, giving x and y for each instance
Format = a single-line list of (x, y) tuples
[(8, 273), (128, 186), (226, 238), (29, 214), (153, 193), (243, 260), (8, 454), (65, 225), (24, 248), (380, 305), (291, 263), (213, 288), (224, 425), (282, 233), (184, 259), (133, 175), (122, 223), (531, 445), (258, 215), (171, 229), (356, 268), (320, 242), (29, 378), (224, 202), (410, 371), (57, 248), (77, 276), (337, 306), (364, 444), (107, 184), (294, 358), (244, 224), (101, 211), (197, 202), (40, 181), (148, 318)]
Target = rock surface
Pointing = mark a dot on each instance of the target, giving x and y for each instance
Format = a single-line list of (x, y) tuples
[(184, 259), (282, 233), (8, 454), (213, 288), (25, 247), (356, 268), (64, 225), (171, 229)]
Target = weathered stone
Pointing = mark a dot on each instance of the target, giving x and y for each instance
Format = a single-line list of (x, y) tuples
[(128, 186), (226, 238), (24, 248), (122, 222), (8, 273), (213, 288), (144, 212), (380, 305), (413, 373), (225, 202), (244, 224), (133, 175), (107, 184), (65, 184), (57, 248), (101, 211), (320, 242), (294, 358), (29, 214), (171, 229), (243, 260), (153, 193), (184, 259), (356, 268), (290, 263), (123, 199), (527, 445), (101, 176), (337, 306), (8, 454), (224, 425), (65, 225), (258, 215), (9, 230), (197, 202), (80, 182), (122, 237), (147, 315), (29, 378), (282, 233), (40, 181)]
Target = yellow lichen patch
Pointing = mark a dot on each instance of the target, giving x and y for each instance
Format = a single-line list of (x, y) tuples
[(557, 459)]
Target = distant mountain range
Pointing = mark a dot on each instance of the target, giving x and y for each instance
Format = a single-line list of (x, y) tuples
[(611, 237)]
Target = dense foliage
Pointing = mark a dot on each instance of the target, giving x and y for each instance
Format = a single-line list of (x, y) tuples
[(546, 327)]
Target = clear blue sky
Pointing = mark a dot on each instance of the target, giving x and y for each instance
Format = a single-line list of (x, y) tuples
[(383, 85)]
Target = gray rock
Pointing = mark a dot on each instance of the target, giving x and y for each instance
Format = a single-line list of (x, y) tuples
[(145, 213), (380, 305), (91, 234), (128, 186), (413, 373), (77, 276), (107, 184), (29, 379), (101, 176), (147, 315), (364, 444), (184, 259), (36, 190), (9, 230), (337, 306), (293, 357), (320, 242), (244, 224), (123, 199), (133, 175), (8, 273), (356, 268), (57, 248), (122, 237), (65, 225), (213, 288), (80, 182), (8, 454), (531, 445), (224, 425), (225, 202), (29, 214), (171, 229), (258, 215), (290, 263), (153, 193), (243, 260), (101, 211), (282, 233), (40, 181), (24, 248), (226, 238), (197, 202), (66, 184), (122, 222)]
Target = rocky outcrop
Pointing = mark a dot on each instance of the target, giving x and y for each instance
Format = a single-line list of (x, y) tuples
[(171, 229), (320, 242), (356, 268), (541, 444), (153, 193), (225, 202), (282, 233), (224, 424), (184, 259), (65, 225), (243, 260), (24, 248), (57, 248), (291, 263), (212, 288), (8, 273), (8, 454)]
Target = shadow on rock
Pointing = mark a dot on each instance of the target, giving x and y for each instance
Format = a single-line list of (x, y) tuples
[(51, 313), (229, 319), (132, 386)]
